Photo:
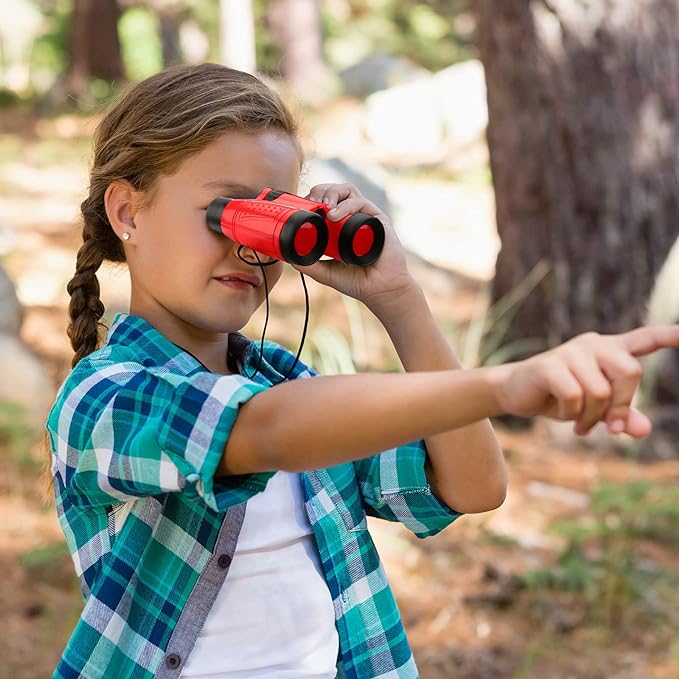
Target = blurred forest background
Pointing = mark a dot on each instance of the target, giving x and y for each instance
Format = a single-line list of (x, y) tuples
[(526, 151)]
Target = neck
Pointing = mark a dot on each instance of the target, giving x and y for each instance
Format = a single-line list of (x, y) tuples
[(210, 348)]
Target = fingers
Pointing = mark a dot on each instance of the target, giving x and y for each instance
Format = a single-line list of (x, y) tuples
[(566, 391), (609, 375), (332, 194), (642, 341), (624, 373), (597, 391), (637, 424), (344, 199)]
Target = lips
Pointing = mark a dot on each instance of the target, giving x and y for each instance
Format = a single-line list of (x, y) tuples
[(254, 281)]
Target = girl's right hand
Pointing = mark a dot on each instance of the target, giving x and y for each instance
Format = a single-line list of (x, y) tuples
[(588, 379)]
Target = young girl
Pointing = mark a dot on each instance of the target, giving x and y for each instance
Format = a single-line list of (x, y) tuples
[(216, 516)]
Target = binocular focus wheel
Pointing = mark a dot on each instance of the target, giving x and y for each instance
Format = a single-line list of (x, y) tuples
[(355, 245)]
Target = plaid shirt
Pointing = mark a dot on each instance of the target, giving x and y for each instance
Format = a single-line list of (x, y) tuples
[(137, 432)]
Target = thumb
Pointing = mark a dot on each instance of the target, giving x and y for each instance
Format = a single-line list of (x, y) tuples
[(629, 421)]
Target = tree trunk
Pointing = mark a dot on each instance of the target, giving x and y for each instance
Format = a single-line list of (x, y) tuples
[(583, 132), (94, 47), (296, 29), (583, 129)]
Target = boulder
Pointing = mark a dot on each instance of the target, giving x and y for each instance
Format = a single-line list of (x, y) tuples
[(24, 381), (10, 309), (369, 180), (425, 120), (379, 71)]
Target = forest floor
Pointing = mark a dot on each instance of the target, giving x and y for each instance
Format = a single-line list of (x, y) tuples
[(574, 577)]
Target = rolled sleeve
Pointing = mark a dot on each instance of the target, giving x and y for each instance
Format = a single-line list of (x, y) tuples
[(394, 486), (124, 431)]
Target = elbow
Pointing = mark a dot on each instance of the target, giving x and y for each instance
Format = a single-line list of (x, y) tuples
[(491, 497)]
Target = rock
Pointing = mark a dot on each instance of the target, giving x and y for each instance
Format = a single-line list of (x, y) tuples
[(24, 381), (369, 180), (426, 119), (379, 71), (11, 313)]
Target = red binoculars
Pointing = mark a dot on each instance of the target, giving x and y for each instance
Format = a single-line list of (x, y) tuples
[(296, 230)]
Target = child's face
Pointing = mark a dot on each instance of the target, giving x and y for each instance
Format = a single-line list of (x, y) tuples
[(175, 259)]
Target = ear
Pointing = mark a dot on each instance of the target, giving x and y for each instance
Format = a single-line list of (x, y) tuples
[(121, 201)]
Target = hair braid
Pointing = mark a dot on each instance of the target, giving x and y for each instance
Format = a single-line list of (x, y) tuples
[(85, 307)]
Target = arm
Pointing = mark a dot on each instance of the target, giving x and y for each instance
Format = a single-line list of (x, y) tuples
[(322, 421), (466, 468), (327, 420)]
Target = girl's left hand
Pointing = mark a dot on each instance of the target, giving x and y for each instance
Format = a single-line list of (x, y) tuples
[(382, 283)]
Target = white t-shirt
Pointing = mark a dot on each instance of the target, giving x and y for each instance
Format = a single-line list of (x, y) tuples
[(273, 616)]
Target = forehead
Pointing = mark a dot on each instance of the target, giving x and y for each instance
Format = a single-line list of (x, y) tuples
[(266, 158)]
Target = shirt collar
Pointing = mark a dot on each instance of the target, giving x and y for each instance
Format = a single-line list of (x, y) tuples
[(152, 348)]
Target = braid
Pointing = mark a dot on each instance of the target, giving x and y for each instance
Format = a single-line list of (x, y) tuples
[(85, 308)]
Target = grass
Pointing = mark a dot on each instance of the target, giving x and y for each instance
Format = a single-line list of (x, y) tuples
[(604, 558)]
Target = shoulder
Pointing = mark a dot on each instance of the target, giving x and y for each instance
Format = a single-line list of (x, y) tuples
[(92, 377)]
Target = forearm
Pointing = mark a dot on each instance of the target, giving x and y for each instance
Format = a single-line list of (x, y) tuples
[(467, 469), (326, 420)]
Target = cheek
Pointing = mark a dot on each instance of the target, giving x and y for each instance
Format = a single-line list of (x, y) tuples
[(274, 274)]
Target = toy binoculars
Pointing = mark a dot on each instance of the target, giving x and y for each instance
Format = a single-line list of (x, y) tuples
[(296, 230)]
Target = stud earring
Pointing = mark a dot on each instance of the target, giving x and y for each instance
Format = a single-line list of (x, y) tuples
[(126, 236)]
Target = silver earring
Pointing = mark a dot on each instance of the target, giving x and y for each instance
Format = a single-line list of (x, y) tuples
[(126, 236)]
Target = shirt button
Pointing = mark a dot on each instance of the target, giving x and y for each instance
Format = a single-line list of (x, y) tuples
[(192, 478), (224, 560), (173, 661)]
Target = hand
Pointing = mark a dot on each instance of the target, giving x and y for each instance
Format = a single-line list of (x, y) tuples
[(588, 379), (383, 282)]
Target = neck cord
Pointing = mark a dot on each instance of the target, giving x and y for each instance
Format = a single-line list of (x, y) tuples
[(266, 320)]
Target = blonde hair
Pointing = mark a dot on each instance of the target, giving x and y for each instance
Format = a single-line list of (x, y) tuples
[(152, 128)]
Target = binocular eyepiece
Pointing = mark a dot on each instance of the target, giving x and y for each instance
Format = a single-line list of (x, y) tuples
[(295, 229)]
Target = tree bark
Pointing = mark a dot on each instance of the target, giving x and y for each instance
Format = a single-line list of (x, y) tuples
[(295, 27), (583, 129), (583, 132), (94, 47)]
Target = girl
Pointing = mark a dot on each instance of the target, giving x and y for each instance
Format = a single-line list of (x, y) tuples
[(217, 518)]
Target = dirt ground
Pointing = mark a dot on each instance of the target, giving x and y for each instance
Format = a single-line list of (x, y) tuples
[(462, 594)]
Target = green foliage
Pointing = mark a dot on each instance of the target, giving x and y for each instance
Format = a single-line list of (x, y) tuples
[(328, 351), (482, 340), (50, 49), (44, 557), (15, 434), (602, 557), (424, 32), (138, 30)]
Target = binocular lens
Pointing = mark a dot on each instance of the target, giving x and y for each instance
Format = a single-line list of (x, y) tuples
[(305, 239), (363, 241)]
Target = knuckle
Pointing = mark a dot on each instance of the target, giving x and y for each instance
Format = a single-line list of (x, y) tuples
[(634, 370), (587, 338), (601, 392)]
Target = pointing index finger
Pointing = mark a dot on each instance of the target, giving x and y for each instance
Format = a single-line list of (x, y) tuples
[(642, 341)]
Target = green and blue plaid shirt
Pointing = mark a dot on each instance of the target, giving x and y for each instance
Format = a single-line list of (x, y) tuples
[(137, 432)]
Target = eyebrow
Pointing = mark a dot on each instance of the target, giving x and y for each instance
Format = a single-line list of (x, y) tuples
[(227, 188)]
